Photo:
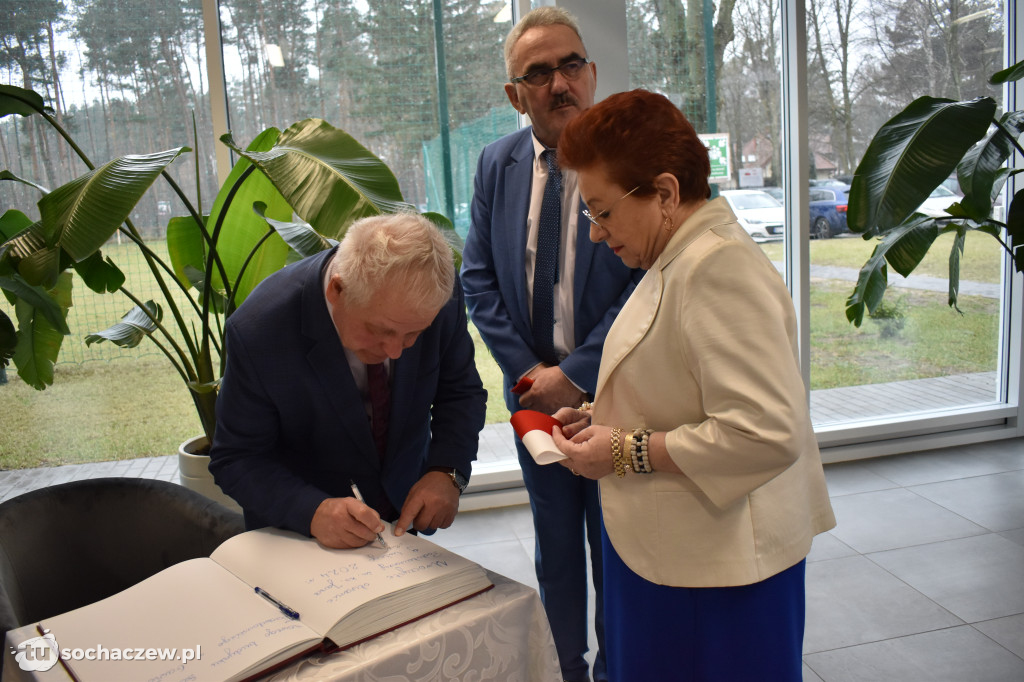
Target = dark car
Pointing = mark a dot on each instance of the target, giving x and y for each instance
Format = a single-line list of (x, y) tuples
[(828, 210)]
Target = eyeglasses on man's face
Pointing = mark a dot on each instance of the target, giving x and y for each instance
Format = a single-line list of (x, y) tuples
[(594, 217), (537, 78)]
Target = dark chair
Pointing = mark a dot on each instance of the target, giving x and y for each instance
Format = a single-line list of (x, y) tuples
[(71, 544)]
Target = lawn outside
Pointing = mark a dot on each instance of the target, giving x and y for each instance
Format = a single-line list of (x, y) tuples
[(122, 404)]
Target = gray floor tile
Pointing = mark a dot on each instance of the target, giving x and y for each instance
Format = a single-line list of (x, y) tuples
[(994, 501), (847, 478), (852, 601), (948, 464), (959, 654), (1015, 535), (828, 546), (809, 675), (977, 578), (887, 519), (1008, 631)]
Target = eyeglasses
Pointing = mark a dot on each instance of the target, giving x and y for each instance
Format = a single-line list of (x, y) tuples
[(604, 214), (537, 78)]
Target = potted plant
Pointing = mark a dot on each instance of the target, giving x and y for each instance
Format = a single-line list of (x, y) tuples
[(310, 170), (907, 159)]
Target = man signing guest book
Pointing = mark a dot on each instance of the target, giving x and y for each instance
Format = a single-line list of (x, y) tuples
[(352, 371)]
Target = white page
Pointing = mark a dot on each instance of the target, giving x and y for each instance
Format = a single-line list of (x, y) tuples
[(193, 603), (325, 584)]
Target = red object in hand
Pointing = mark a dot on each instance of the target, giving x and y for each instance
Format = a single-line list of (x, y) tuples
[(523, 386), (534, 428)]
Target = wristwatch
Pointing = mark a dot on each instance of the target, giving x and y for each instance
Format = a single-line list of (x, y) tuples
[(458, 480)]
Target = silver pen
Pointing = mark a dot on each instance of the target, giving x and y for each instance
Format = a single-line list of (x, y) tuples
[(359, 496)]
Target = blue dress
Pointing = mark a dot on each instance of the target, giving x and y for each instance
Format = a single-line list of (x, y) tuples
[(704, 634)]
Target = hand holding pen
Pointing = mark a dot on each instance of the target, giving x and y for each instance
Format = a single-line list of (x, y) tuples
[(359, 496)]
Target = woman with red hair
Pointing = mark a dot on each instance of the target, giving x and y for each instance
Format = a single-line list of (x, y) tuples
[(711, 481)]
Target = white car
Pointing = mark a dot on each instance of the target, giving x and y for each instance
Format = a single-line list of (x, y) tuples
[(938, 201), (759, 213)]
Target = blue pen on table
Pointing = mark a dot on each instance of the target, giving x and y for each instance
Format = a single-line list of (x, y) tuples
[(286, 610), (359, 496)]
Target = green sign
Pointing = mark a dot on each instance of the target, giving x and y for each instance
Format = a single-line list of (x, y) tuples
[(718, 152)]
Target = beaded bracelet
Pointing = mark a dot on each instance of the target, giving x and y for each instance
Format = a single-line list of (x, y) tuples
[(641, 440), (620, 466), (585, 406)]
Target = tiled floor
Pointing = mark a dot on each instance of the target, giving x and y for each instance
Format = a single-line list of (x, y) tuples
[(921, 581)]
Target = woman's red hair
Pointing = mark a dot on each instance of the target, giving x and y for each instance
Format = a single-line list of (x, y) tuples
[(636, 136)]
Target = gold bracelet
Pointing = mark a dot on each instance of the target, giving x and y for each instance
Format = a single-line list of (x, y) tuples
[(631, 447), (620, 467)]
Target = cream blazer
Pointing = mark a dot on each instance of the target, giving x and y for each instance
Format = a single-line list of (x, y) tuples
[(705, 349)]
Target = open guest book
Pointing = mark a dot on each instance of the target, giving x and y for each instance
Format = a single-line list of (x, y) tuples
[(534, 429), (314, 598)]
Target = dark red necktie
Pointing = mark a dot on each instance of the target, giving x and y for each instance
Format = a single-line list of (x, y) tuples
[(380, 405)]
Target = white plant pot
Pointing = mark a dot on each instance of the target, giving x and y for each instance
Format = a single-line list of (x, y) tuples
[(194, 472)]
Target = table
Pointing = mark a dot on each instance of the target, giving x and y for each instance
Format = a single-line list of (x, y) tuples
[(501, 634)]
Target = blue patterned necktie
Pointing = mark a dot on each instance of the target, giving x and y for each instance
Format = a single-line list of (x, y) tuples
[(545, 272)]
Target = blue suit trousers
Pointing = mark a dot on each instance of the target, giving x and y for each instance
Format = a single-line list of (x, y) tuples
[(563, 507)]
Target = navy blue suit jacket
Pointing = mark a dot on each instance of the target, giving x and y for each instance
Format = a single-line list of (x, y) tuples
[(494, 276), (291, 426)]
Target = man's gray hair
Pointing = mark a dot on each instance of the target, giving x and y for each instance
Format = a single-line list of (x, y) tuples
[(542, 16), (397, 249)]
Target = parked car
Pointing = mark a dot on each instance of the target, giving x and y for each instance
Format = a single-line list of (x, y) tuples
[(828, 204), (776, 193), (758, 213), (938, 201)]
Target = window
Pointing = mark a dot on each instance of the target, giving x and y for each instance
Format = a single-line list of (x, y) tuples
[(131, 76), (916, 360)]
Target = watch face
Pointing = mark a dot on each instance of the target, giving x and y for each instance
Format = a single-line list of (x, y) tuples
[(460, 480)]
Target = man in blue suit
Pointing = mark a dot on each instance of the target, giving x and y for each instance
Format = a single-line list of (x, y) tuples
[(353, 366), (507, 273)]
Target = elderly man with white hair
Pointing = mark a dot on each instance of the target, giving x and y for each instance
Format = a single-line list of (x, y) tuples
[(352, 370)]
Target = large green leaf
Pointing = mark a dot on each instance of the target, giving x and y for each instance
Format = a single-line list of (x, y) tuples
[(328, 178), (906, 244), (131, 330), (100, 274), (909, 156), (40, 300), (983, 172), (956, 255), (299, 235), (905, 252), (1015, 228), (185, 246), (8, 175), (82, 215), (15, 100), (242, 230), (8, 339), (1013, 73), (12, 222), (38, 340)]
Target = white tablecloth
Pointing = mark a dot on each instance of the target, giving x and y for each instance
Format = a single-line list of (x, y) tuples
[(502, 634)]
